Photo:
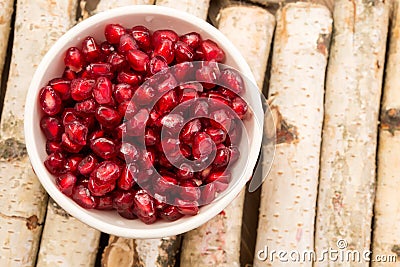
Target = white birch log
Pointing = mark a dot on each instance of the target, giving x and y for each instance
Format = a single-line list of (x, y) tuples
[(353, 91), (104, 5), (6, 10), (217, 243), (198, 8), (287, 209), (386, 233), (22, 199)]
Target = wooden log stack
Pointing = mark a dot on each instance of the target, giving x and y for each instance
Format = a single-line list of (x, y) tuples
[(335, 178)]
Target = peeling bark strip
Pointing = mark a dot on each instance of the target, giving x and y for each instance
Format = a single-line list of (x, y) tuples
[(217, 243), (6, 10), (38, 24), (287, 211), (386, 233), (353, 90)]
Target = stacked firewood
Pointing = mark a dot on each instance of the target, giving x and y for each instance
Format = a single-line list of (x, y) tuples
[(335, 175)]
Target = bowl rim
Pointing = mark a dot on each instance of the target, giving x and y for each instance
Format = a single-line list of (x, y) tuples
[(78, 212)]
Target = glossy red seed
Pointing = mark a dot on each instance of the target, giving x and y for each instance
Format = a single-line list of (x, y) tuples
[(208, 193), (122, 200), (144, 207), (69, 115), (127, 43), (55, 163), (162, 35), (107, 117), (185, 171), (129, 152), (87, 165), (104, 202), (117, 61), (96, 70), (123, 92), (97, 189), (50, 101), (163, 161), (106, 172), (62, 86), (148, 158), (74, 59), (142, 37), (200, 109), (221, 119), (127, 109), (208, 75), (128, 176), (222, 157), (170, 213), (189, 130), (235, 154), (81, 195), (232, 80), (102, 91), (220, 176), (151, 137), (84, 108), (165, 83), (128, 213), (216, 134), (187, 207), (66, 182), (136, 125), (184, 71), (193, 39), (113, 33), (217, 101), (167, 102), (106, 48), (164, 49), (183, 52), (234, 136), (189, 190), (138, 60), (68, 145), (144, 95), (186, 151), (51, 127), (129, 77), (211, 51), (77, 132), (90, 49), (165, 185), (202, 146), (104, 147), (81, 89), (69, 74), (157, 64), (239, 106), (53, 146), (172, 123)]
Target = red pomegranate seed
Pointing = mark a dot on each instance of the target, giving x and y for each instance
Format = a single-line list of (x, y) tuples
[(148, 158), (129, 77), (66, 182), (187, 207), (185, 171), (90, 49), (50, 101), (192, 39), (151, 137), (74, 59), (202, 146), (117, 61), (222, 157), (95, 134), (106, 172), (239, 106), (129, 152), (221, 180), (122, 200), (136, 125), (52, 147), (126, 43), (97, 189), (84, 108), (200, 109), (217, 101), (144, 207), (208, 193), (69, 74), (107, 117), (173, 123), (164, 49), (104, 147), (87, 165), (166, 82), (113, 33), (156, 64), (102, 91), (128, 213), (167, 102), (189, 130), (163, 161), (69, 115), (221, 119), (100, 69), (81, 195), (226, 93), (123, 92), (144, 95), (142, 36), (77, 132), (183, 71), (62, 87), (234, 136), (216, 134), (186, 151), (68, 145), (165, 185), (128, 176), (189, 190), (106, 48), (52, 128), (55, 163), (162, 35), (127, 109), (208, 75), (170, 213), (183, 52), (232, 80), (104, 202), (138, 60), (81, 89), (211, 51)]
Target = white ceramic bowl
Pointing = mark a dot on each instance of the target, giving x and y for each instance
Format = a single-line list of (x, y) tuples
[(153, 17)]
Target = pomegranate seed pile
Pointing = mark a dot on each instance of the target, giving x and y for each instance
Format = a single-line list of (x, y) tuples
[(114, 93)]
